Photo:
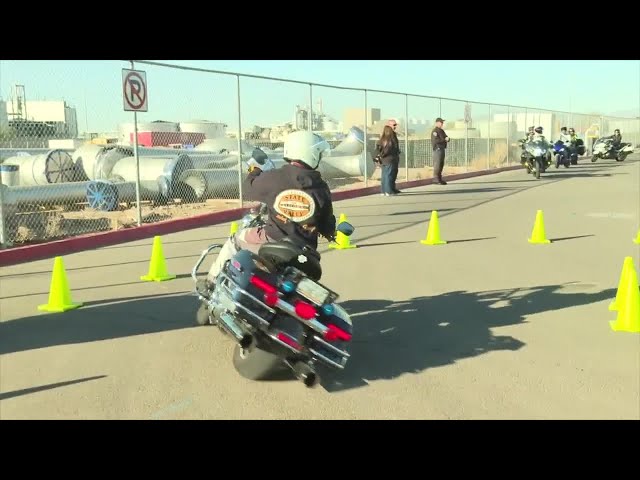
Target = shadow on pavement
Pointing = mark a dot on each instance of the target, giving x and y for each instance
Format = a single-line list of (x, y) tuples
[(396, 338), (135, 281), (96, 322), (27, 391)]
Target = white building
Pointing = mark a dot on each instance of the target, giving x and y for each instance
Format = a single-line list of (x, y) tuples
[(55, 112)]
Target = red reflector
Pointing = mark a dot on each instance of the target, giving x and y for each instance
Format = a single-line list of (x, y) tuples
[(262, 285), (305, 311), (335, 333), (271, 299), (283, 337)]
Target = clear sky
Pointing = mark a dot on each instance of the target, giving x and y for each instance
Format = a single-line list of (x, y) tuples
[(605, 87)]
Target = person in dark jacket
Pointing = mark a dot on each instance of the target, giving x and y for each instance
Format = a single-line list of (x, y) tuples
[(439, 142), (395, 166), (298, 200), (388, 154)]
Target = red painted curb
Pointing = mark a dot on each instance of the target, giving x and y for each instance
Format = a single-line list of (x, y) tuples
[(30, 253)]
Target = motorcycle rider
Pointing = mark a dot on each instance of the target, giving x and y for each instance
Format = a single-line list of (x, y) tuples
[(617, 139), (297, 197), (565, 137)]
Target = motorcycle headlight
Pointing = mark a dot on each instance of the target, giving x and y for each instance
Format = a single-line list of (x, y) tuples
[(538, 151)]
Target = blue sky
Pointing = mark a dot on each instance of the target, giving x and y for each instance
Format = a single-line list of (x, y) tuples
[(606, 87)]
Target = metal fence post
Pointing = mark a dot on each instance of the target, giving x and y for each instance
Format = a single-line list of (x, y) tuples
[(466, 142), (135, 154), (406, 137), (508, 135), (239, 141), (310, 113), (4, 240), (366, 141), (489, 140)]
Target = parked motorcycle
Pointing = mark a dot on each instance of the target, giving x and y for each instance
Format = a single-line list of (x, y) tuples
[(275, 309), (536, 156), (603, 148)]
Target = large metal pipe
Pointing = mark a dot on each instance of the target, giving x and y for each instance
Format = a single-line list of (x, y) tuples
[(54, 166), (105, 195), (152, 169), (43, 195), (352, 145), (202, 184), (96, 161)]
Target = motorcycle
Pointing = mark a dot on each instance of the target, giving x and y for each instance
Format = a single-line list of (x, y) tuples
[(561, 152), (276, 310), (536, 156), (603, 148)]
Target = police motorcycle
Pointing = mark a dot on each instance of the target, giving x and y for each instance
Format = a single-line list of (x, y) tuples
[(603, 148), (276, 310), (536, 156), (562, 154)]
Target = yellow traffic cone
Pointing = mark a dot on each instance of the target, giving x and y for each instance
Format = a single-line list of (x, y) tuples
[(628, 319), (538, 235), (622, 284), (157, 266), (433, 232), (637, 239), (233, 229), (59, 293), (343, 242)]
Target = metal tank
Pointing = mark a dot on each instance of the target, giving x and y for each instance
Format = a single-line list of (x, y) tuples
[(126, 129), (10, 175), (54, 166), (210, 129)]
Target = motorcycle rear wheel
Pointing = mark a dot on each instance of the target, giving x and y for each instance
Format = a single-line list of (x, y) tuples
[(255, 364)]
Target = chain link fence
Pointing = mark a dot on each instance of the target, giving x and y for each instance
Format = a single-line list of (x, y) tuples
[(202, 127)]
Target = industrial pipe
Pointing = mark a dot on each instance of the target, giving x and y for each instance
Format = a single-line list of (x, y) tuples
[(105, 195), (203, 184), (96, 161), (151, 169), (43, 195), (54, 166)]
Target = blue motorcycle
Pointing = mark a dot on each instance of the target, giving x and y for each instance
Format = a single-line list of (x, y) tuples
[(562, 153)]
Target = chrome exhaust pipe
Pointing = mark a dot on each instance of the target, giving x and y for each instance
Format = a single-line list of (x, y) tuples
[(306, 374), (245, 340)]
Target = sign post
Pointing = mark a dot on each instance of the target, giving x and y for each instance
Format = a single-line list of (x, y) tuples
[(135, 99)]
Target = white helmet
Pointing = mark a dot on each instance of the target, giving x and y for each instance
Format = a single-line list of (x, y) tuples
[(305, 147)]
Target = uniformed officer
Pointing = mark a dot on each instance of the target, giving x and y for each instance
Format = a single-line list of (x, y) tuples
[(439, 142)]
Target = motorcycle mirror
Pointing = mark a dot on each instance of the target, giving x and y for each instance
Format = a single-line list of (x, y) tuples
[(345, 228)]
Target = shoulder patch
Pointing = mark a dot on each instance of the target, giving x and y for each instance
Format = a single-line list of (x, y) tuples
[(296, 205), (435, 134)]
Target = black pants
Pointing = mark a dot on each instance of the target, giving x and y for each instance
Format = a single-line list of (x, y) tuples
[(438, 163)]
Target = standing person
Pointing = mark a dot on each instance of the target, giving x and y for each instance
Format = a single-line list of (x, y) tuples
[(395, 166), (388, 153), (439, 142)]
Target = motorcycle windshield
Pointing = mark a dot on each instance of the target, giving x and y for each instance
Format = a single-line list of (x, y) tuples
[(537, 147)]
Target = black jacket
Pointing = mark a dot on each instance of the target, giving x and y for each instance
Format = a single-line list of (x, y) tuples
[(390, 153), (299, 203), (438, 138)]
